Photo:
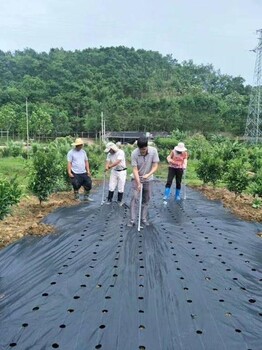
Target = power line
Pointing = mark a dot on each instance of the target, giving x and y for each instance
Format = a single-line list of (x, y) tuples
[(253, 130)]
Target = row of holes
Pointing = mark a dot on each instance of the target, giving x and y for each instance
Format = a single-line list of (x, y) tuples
[(207, 278), (115, 275), (25, 325)]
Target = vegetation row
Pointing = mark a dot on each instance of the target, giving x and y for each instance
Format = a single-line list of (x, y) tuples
[(217, 161)]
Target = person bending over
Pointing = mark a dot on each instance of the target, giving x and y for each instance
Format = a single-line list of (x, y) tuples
[(144, 160), (116, 162), (177, 160)]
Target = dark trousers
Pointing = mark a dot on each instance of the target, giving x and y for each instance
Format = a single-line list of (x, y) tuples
[(81, 180), (174, 172)]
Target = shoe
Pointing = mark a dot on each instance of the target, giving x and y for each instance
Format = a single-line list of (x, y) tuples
[(88, 198), (145, 223), (76, 195), (131, 223), (109, 202), (177, 196), (121, 203), (167, 193)]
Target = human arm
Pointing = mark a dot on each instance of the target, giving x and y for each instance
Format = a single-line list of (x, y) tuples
[(87, 167), (136, 177), (185, 161), (112, 165), (154, 163), (69, 169), (170, 158), (153, 169)]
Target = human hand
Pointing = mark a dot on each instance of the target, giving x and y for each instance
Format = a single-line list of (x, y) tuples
[(144, 177)]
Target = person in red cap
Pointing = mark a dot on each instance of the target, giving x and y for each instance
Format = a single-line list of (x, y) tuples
[(177, 160)]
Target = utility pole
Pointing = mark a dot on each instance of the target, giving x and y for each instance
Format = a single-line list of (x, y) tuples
[(103, 127), (27, 128), (253, 130)]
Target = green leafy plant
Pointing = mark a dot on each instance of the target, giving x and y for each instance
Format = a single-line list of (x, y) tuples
[(237, 179), (210, 168), (96, 158), (165, 146), (255, 187), (10, 194), (45, 172), (197, 145), (257, 203)]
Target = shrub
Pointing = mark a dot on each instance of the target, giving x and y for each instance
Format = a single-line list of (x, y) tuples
[(210, 168), (255, 187), (13, 149), (6, 152), (229, 150), (255, 158), (10, 194), (257, 203), (197, 145), (96, 158), (237, 178), (165, 146), (45, 173)]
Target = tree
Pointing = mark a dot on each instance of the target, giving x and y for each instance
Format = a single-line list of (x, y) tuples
[(8, 118), (45, 173), (40, 123)]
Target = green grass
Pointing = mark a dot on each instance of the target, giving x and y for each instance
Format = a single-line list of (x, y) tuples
[(10, 167)]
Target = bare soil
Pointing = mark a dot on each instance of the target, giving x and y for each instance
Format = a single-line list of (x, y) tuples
[(26, 217)]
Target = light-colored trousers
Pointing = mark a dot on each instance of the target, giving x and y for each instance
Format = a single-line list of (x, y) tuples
[(117, 179), (146, 195)]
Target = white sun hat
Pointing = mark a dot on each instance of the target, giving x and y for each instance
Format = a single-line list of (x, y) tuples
[(111, 145), (180, 147)]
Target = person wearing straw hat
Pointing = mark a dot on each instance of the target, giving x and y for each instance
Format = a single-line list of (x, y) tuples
[(78, 169), (115, 161), (177, 160), (144, 160)]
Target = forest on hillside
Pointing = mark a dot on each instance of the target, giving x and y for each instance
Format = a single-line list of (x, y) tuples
[(136, 90)]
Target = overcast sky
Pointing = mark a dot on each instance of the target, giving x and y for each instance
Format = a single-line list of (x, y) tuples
[(220, 32)]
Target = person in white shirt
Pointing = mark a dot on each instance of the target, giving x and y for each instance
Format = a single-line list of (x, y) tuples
[(115, 161), (78, 169)]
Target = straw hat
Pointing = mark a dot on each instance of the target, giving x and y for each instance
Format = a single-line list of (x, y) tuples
[(180, 147), (78, 142)]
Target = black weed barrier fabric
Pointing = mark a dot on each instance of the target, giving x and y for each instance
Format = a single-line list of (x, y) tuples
[(190, 280)]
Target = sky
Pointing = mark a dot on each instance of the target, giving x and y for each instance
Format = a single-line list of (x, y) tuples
[(217, 32)]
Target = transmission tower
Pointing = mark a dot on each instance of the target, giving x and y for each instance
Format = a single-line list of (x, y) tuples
[(253, 131)]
